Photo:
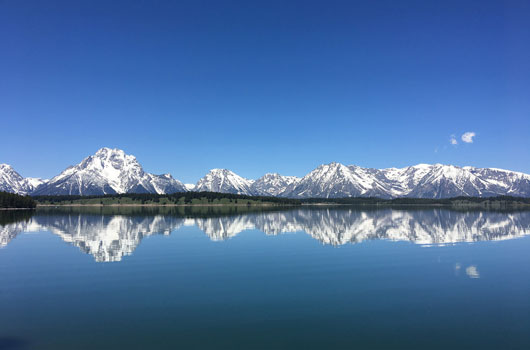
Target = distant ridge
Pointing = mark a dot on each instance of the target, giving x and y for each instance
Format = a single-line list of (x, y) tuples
[(112, 171), (11, 181)]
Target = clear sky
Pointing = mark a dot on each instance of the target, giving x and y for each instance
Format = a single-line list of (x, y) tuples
[(264, 86)]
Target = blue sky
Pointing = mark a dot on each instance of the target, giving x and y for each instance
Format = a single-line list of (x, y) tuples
[(264, 86)]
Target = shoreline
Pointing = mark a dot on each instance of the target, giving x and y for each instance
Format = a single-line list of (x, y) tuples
[(357, 205), (166, 205)]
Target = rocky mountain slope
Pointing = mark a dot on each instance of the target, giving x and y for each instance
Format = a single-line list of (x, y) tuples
[(108, 171), (225, 181), (420, 181), (111, 171), (11, 181)]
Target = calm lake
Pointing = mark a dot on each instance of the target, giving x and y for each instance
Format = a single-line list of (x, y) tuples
[(235, 278)]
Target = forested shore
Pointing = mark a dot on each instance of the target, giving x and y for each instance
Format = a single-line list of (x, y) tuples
[(15, 201), (227, 199)]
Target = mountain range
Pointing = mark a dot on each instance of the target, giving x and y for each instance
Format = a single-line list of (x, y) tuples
[(112, 171), (11, 181), (108, 171)]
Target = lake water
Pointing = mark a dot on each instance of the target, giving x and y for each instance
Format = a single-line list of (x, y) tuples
[(232, 278)]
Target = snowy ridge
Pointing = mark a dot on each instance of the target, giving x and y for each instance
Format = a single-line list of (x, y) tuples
[(111, 171), (190, 187), (333, 180), (420, 181), (272, 184), (108, 171), (11, 181), (225, 181), (336, 180)]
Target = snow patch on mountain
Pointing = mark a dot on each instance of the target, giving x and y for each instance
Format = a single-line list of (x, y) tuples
[(421, 181), (11, 181), (335, 180), (109, 171), (272, 184), (225, 181)]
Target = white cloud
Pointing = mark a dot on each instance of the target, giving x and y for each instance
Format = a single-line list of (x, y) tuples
[(453, 140), (468, 137)]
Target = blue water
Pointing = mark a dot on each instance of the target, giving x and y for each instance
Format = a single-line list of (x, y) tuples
[(295, 279)]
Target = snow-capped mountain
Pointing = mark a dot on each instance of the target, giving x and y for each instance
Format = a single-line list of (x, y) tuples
[(11, 181), (272, 184), (420, 181), (225, 181), (444, 181), (190, 187), (108, 171), (503, 181), (337, 180), (111, 171)]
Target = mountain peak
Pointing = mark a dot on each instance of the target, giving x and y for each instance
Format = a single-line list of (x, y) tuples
[(222, 171), (6, 168), (270, 175), (11, 181), (224, 180), (273, 184), (333, 165), (109, 171), (104, 150), (113, 153)]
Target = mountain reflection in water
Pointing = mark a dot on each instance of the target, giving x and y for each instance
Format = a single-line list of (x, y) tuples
[(110, 234)]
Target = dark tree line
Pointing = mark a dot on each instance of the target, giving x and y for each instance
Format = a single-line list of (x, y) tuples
[(187, 197), (12, 200), (415, 201)]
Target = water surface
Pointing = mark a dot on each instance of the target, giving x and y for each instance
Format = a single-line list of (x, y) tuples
[(234, 278)]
